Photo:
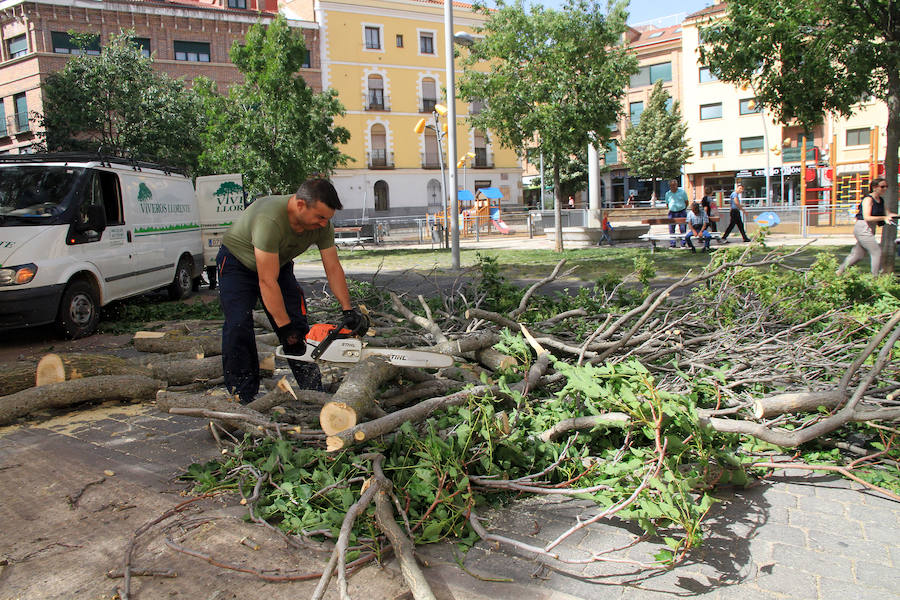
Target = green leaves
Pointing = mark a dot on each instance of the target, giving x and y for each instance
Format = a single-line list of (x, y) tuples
[(272, 127), (657, 147), (117, 102)]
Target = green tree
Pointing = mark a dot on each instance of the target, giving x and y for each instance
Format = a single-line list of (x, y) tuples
[(555, 77), (272, 128), (657, 147), (116, 103), (807, 59)]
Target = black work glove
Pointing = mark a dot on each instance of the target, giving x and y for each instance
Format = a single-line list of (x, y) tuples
[(292, 337), (355, 321)]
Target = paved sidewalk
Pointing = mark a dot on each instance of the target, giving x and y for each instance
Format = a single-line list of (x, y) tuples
[(806, 536)]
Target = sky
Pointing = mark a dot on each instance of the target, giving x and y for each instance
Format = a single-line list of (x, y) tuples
[(646, 10)]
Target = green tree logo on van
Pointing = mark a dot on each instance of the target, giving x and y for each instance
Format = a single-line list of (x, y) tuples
[(144, 193), (229, 197)]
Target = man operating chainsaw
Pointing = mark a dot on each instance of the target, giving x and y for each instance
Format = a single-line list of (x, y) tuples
[(256, 262)]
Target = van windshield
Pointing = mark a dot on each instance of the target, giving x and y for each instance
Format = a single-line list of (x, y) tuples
[(36, 194)]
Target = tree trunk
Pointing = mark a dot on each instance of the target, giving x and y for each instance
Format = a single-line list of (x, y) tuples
[(67, 393), (17, 376), (165, 342), (53, 368), (892, 144), (355, 398)]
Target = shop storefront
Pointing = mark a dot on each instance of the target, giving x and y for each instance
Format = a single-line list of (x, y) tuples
[(784, 185)]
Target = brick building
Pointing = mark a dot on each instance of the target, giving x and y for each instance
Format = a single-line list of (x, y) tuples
[(187, 38)]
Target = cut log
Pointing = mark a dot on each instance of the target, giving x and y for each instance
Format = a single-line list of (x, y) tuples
[(68, 393), (772, 406), (16, 376), (589, 422), (355, 398), (184, 372), (173, 341), (281, 394), (495, 360), (53, 368), (148, 360)]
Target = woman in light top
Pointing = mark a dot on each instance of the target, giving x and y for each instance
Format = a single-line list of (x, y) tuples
[(870, 214)]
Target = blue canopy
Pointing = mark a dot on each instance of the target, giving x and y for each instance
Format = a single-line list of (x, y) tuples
[(490, 192), (465, 195)]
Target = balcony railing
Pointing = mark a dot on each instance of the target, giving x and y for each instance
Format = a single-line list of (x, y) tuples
[(380, 159), (375, 101), (428, 105), (483, 159), (430, 161)]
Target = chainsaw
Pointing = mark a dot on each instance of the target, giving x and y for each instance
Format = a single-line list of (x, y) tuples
[(329, 343)]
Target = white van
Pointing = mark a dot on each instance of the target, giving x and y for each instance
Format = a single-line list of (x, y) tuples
[(78, 231)]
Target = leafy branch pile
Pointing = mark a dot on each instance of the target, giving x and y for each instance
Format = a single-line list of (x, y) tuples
[(639, 399)]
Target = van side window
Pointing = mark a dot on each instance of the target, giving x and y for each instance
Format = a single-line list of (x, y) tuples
[(106, 192)]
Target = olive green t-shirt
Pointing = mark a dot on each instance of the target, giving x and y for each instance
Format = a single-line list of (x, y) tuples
[(264, 225)]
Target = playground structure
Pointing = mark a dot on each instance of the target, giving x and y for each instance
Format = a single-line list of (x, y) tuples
[(849, 182), (478, 212)]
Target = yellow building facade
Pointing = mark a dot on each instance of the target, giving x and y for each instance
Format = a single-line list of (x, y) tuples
[(386, 59)]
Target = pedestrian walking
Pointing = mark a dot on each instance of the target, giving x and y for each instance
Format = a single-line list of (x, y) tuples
[(736, 212), (870, 215), (676, 201), (255, 263)]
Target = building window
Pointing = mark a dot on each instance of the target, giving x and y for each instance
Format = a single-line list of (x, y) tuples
[(429, 94), (373, 38), (237, 3), (379, 146), (650, 74), (481, 152), (3, 131), (21, 104), (477, 107), (17, 46), (382, 197), (307, 59), (426, 43), (635, 109), (858, 137), (64, 44), (749, 106), (431, 159), (711, 111), (707, 75), (375, 96), (399, 40), (670, 102), (192, 51), (713, 148), (751, 145), (143, 44), (611, 155)]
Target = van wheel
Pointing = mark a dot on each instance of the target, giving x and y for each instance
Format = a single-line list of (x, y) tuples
[(79, 311), (183, 283)]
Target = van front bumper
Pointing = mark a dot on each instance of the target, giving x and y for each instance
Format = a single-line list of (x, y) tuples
[(31, 306)]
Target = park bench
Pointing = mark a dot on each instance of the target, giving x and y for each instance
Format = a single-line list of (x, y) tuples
[(668, 238), (354, 236)]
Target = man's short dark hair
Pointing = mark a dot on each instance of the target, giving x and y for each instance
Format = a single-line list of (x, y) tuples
[(320, 190), (675, 181)]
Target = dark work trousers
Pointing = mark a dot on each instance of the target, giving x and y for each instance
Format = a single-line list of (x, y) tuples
[(736, 220), (682, 227), (238, 294)]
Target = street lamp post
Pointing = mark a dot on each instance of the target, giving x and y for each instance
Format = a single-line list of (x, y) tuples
[(439, 134)]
